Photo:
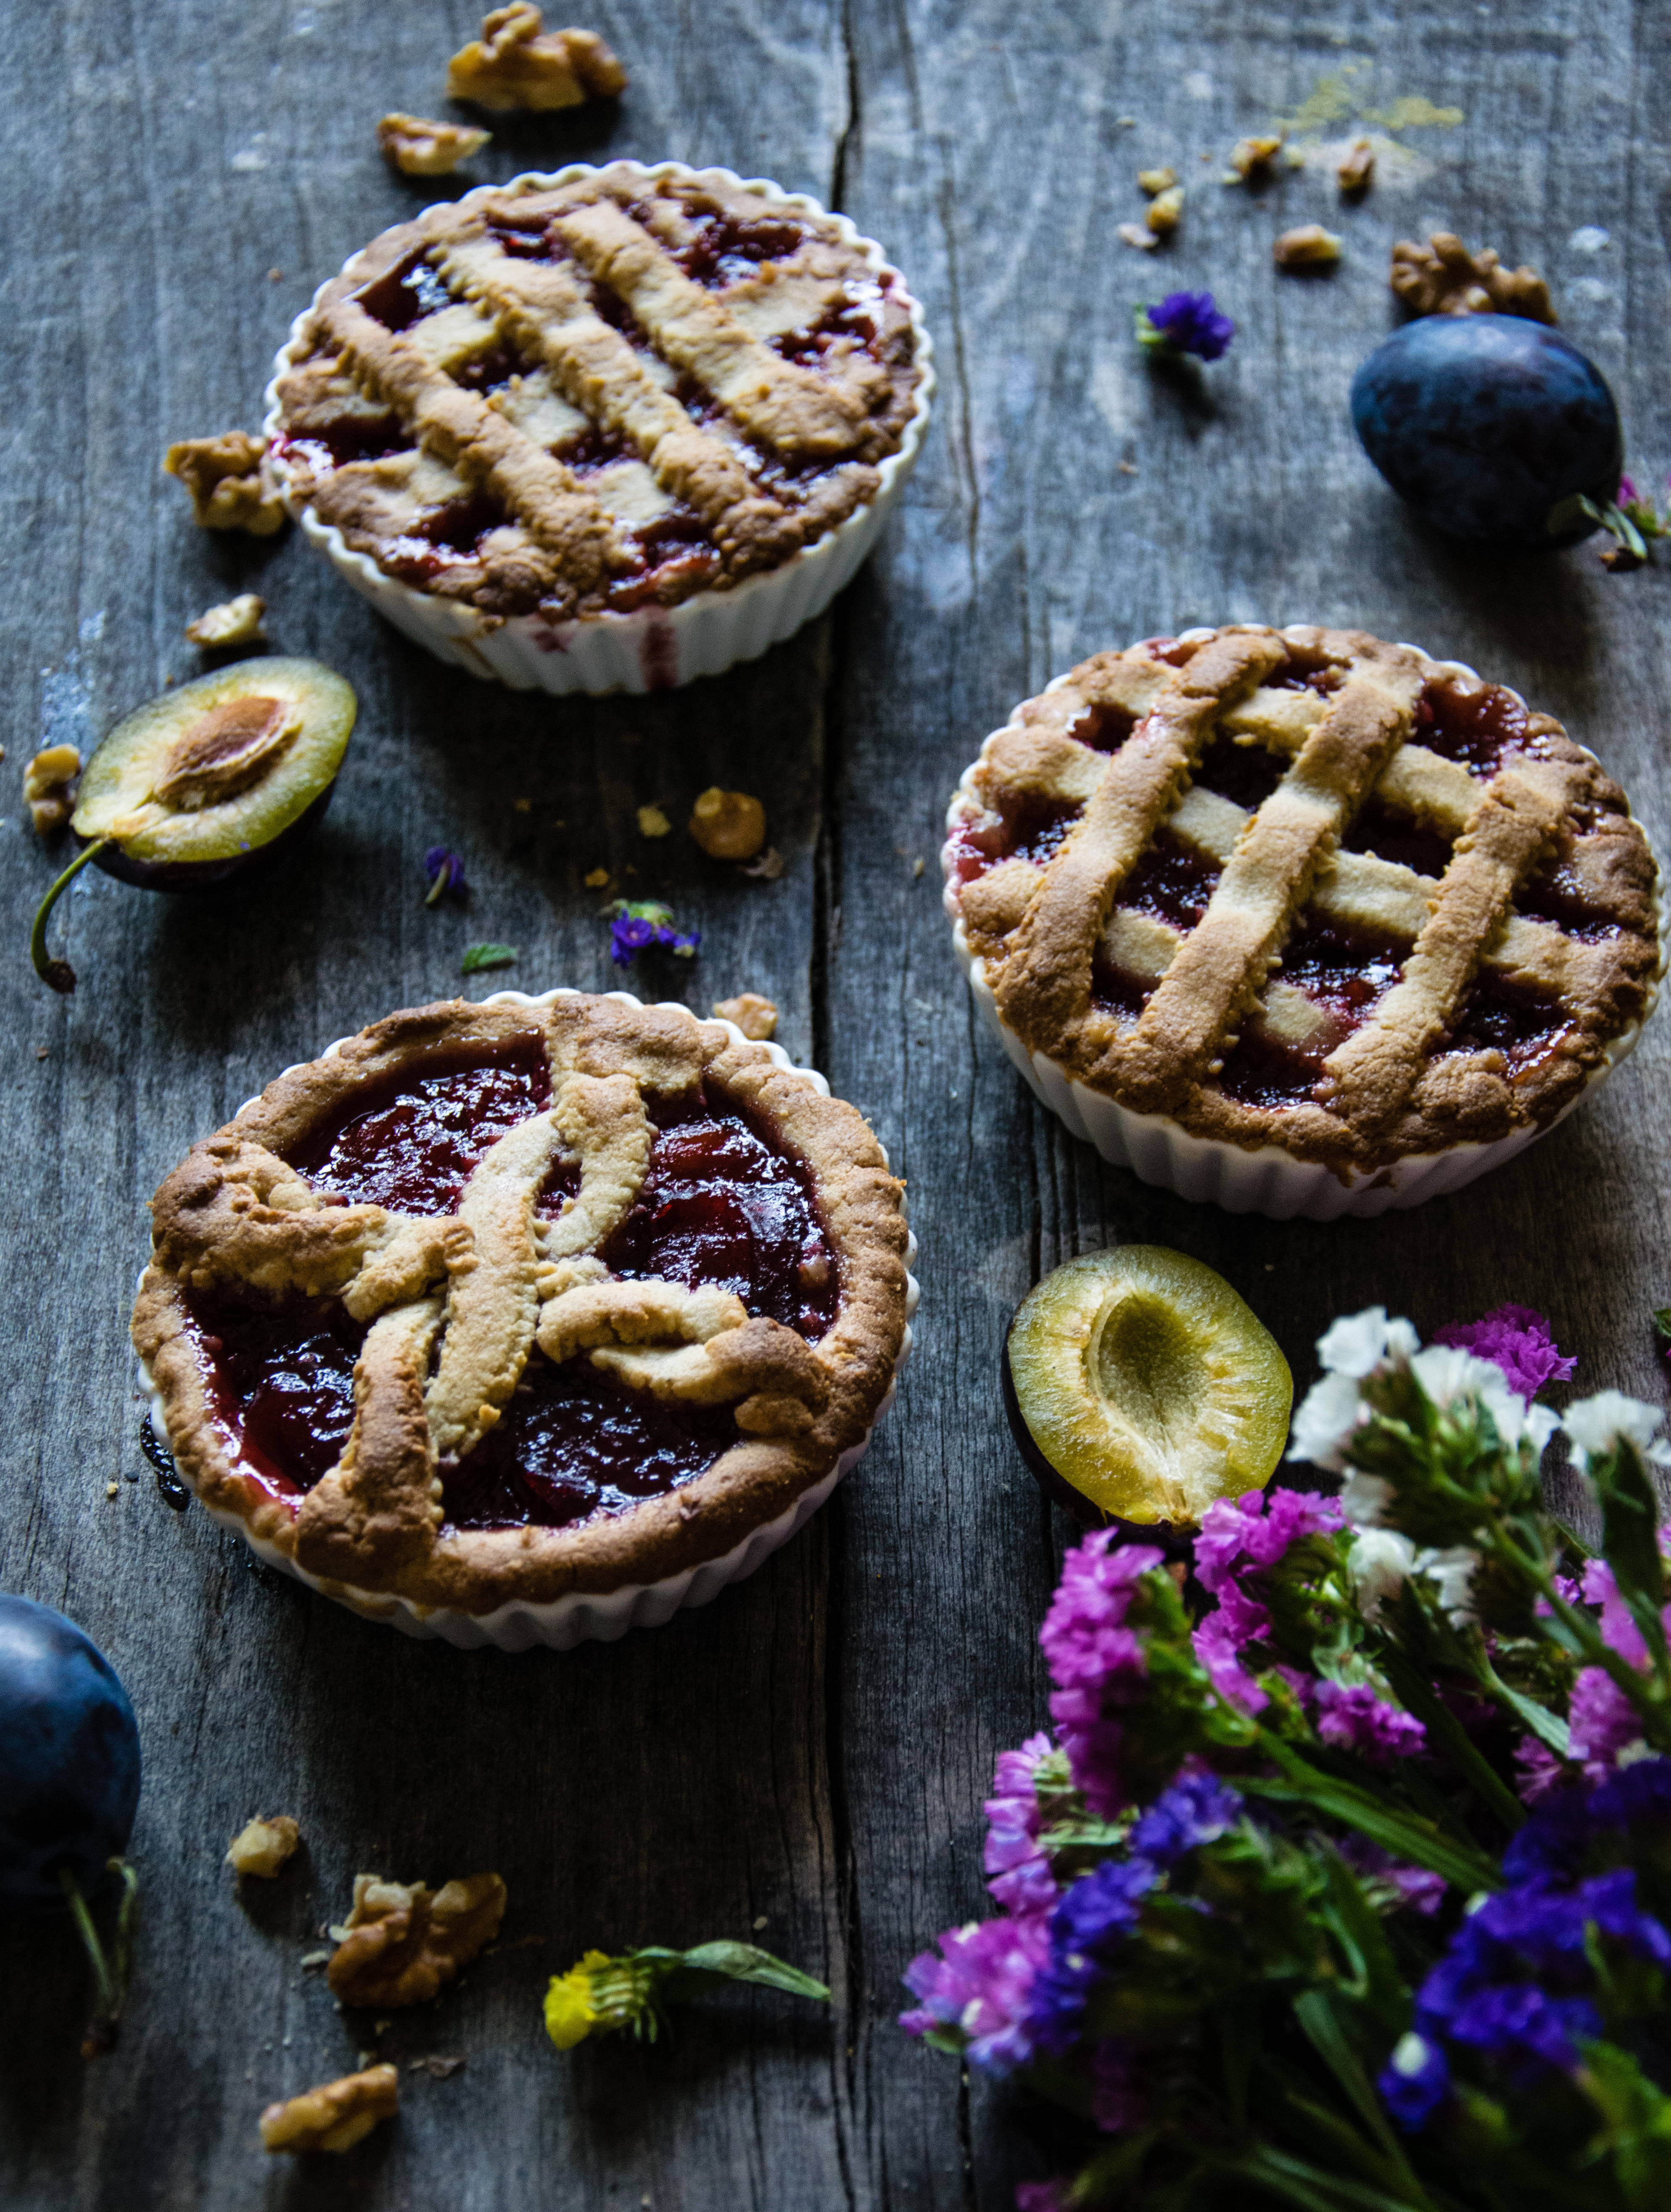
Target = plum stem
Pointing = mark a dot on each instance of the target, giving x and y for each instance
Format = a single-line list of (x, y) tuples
[(58, 973), (111, 1974)]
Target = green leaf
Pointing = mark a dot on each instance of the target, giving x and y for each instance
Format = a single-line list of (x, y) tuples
[(1316, 2012), (1447, 1735), (479, 956), (736, 1962), (1630, 1536), (1313, 2190), (1662, 1323), (1407, 1834)]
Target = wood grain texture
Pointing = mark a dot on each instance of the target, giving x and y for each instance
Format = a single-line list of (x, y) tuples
[(814, 1747)]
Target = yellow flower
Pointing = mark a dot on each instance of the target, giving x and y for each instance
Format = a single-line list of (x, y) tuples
[(569, 2018)]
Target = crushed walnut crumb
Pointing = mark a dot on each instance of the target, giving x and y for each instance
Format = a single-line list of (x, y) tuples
[(1165, 211), (237, 622), (1252, 157), (334, 2117), (597, 879), (518, 62), (227, 479), (1156, 182), (49, 787), (1356, 166), (435, 2065), (1443, 278), (1134, 234), (262, 1846), (756, 1017), (1310, 246), (403, 1942), (653, 823), (728, 825), (769, 868), (419, 148)]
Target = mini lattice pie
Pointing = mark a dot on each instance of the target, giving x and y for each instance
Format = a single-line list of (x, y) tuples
[(1301, 890), (494, 1304), (600, 392)]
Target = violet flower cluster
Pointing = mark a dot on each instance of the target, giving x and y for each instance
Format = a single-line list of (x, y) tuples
[(1185, 323), (637, 924), (1372, 1811)]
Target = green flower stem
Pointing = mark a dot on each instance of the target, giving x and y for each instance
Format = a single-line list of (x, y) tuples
[(58, 973), (1587, 1638), (111, 1975)]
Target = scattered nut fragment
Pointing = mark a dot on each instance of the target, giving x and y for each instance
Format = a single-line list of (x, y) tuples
[(334, 2117), (1443, 278), (1310, 246), (1133, 233), (419, 148), (1356, 166), (237, 622), (1166, 212), (653, 823), (1252, 157), (769, 868), (756, 1017), (1156, 182), (517, 63), (263, 1845), (597, 879), (435, 2066), (227, 479), (402, 1944), (49, 787), (728, 825)]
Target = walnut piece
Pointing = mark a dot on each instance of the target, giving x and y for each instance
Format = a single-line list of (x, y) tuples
[(1156, 182), (653, 823), (1443, 278), (1252, 157), (335, 2115), (756, 1017), (49, 787), (229, 488), (419, 148), (517, 63), (263, 1845), (237, 622), (728, 825), (1165, 211), (1356, 166), (403, 1943), (1310, 246), (1133, 233)]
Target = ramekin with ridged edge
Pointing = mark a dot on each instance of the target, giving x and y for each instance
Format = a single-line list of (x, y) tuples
[(650, 648), (581, 1616), (1264, 1179)]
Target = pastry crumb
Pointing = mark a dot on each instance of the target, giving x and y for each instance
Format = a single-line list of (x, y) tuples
[(334, 2117), (113, 1489), (653, 823), (518, 62), (1443, 278), (1310, 246), (237, 622), (419, 148), (1356, 166), (597, 880), (1165, 211), (756, 1017), (1252, 157), (227, 479), (1133, 233), (728, 825), (263, 1845), (49, 787), (403, 1942)]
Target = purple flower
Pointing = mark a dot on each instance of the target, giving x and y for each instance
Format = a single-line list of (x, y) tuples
[(1416, 1889), (635, 924), (1094, 1659), (1602, 1721), (981, 1983), (1187, 322), (1094, 1914), (1351, 1718), (1258, 1528), (446, 872), (1041, 2197), (1415, 2082), (1115, 2104), (1518, 1341), (1021, 1879), (1638, 1795), (1628, 494), (1539, 1773), (1197, 1808)]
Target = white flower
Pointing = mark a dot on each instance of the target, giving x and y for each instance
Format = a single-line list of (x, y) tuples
[(1446, 1372), (1595, 1425), (1365, 1498), (1380, 1559), (1410, 2054), (1358, 1343), (1452, 1572), (1328, 1413)]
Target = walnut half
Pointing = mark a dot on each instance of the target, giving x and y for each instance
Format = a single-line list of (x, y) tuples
[(263, 1845), (419, 148), (518, 62), (403, 1943), (335, 2115), (229, 489), (1443, 278)]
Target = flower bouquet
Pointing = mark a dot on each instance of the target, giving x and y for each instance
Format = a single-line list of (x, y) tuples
[(1346, 1883)]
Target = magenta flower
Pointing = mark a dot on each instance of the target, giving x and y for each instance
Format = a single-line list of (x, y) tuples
[(1041, 2197), (1021, 1880), (1518, 1341), (1095, 1660), (982, 1984), (1258, 1528), (1351, 1718)]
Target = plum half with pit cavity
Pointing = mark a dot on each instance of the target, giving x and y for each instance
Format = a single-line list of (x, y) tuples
[(204, 781), (1140, 1388)]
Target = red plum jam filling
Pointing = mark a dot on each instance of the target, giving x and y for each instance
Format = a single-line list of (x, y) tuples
[(718, 1206)]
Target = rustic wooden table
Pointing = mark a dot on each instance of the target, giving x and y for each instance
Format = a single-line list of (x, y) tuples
[(806, 1758)]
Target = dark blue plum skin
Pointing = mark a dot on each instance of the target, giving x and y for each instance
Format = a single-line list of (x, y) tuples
[(1483, 423), (69, 1757)]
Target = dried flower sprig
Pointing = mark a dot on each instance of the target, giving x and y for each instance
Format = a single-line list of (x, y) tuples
[(446, 872), (1184, 323), (637, 924), (601, 1995)]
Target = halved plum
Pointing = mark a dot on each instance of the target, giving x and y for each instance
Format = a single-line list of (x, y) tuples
[(204, 781), (1140, 1388)]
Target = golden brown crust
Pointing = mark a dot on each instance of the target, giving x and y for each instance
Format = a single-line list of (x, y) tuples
[(792, 452), (1400, 1083), (233, 1212)]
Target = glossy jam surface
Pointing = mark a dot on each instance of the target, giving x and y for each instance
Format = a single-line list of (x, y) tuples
[(1344, 973), (718, 1206)]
